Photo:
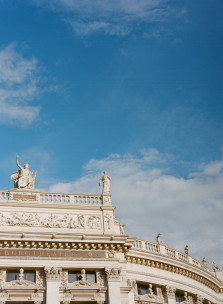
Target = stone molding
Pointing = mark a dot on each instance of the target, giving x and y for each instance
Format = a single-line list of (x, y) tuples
[(111, 248), (113, 274), (173, 268), (53, 273)]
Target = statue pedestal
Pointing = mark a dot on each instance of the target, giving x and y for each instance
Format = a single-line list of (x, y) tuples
[(24, 194)]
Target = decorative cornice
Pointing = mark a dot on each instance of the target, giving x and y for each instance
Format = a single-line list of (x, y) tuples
[(173, 268), (111, 247)]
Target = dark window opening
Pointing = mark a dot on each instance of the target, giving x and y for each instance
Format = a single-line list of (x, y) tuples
[(74, 276), (179, 297), (142, 289), (28, 275)]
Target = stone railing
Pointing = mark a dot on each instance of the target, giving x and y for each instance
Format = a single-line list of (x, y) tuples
[(146, 245), (160, 248), (51, 198)]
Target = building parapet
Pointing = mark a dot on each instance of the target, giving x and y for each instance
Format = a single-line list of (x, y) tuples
[(162, 249)]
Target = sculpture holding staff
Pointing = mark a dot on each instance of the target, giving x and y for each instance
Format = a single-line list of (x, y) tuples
[(23, 178), (105, 179)]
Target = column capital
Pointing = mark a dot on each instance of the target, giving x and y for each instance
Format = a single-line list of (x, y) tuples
[(170, 291), (113, 274), (53, 273)]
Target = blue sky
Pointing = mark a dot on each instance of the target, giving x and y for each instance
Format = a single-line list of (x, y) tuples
[(134, 87)]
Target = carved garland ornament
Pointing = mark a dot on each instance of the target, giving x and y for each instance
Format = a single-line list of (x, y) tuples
[(50, 220)]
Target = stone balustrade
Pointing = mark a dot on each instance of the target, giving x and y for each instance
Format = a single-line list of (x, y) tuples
[(52, 198), (167, 251)]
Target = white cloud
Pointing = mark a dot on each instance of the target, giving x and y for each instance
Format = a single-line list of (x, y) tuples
[(18, 87), (85, 28), (117, 17), (149, 200)]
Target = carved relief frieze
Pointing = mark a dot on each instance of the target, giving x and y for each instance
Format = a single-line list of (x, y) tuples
[(50, 220)]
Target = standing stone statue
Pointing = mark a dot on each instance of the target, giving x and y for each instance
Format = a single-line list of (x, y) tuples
[(23, 178), (105, 179)]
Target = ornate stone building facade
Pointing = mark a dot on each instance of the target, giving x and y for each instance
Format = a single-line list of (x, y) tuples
[(69, 248)]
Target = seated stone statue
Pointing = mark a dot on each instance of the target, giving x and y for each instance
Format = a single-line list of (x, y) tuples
[(23, 178)]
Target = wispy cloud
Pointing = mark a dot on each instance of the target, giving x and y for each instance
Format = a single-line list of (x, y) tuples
[(150, 200), (19, 85), (118, 17)]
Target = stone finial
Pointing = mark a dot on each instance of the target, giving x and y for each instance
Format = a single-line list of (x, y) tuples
[(23, 178), (105, 179), (186, 249), (158, 238)]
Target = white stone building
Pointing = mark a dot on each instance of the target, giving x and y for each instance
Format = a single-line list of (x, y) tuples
[(69, 248)]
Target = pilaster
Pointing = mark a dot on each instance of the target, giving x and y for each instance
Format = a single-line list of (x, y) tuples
[(113, 279), (52, 284)]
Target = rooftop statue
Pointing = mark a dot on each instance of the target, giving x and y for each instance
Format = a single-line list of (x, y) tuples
[(23, 178), (105, 179)]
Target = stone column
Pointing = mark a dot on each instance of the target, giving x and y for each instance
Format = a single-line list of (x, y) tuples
[(52, 284), (170, 292), (113, 279)]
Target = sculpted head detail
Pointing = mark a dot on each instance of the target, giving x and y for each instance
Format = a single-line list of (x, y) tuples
[(26, 166)]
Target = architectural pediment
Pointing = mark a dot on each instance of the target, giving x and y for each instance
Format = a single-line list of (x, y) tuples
[(18, 284)]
